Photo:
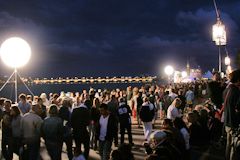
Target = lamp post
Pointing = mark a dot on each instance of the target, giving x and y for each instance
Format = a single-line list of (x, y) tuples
[(169, 71), (15, 52), (227, 61), (219, 36)]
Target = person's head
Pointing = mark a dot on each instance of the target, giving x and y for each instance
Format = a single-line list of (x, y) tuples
[(167, 123), (43, 96), (121, 100), (166, 93), (216, 76), (192, 117), (66, 102), (53, 110), (22, 97), (104, 109), (180, 92), (55, 96), (179, 123), (96, 103), (36, 108), (88, 103), (2, 101), (235, 76), (15, 111), (139, 94), (112, 97), (157, 138), (145, 99), (7, 105), (39, 101), (29, 97), (177, 102), (35, 98)]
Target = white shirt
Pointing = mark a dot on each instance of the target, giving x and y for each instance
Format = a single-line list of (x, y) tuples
[(172, 112), (103, 127)]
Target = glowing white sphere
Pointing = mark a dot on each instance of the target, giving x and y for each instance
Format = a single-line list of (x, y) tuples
[(184, 74), (15, 52), (169, 70), (227, 61)]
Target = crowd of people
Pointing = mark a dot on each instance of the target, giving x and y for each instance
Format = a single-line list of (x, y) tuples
[(192, 115)]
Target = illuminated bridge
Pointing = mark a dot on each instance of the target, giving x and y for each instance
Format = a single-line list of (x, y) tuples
[(75, 80)]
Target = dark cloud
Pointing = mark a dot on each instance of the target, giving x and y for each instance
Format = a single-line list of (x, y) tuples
[(121, 37)]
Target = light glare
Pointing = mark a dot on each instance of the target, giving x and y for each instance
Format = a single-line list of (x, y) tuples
[(15, 52), (169, 70), (219, 33), (184, 74), (227, 61)]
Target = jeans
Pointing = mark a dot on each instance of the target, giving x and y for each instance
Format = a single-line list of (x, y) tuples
[(147, 129), (54, 149), (229, 148), (105, 149), (122, 132)]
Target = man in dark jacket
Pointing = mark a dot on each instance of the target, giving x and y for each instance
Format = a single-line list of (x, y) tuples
[(232, 112), (106, 130), (215, 90), (80, 119), (65, 114), (7, 148), (146, 115), (124, 112)]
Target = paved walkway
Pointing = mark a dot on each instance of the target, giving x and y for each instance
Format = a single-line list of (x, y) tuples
[(206, 153)]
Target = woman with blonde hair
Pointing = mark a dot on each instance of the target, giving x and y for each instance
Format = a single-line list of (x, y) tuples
[(173, 110)]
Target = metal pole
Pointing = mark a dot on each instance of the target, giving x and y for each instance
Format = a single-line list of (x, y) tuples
[(219, 59), (15, 71), (216, 9), (6, 82), (25, 84)]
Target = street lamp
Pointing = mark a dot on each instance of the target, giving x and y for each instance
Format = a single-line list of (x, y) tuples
[(15, 53), (227, 61), (219, 35), (169, 71)]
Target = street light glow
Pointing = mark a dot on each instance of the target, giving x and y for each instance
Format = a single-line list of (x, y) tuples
[(169, 70), (184, 74), (15, 52), (219, 33), (227, 61)]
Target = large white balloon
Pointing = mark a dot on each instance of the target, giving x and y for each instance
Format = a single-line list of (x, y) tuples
[(15, 52)]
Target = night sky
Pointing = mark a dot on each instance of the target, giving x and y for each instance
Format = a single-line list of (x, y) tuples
[(117, 37)]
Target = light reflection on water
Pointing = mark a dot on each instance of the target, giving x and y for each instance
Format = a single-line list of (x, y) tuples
[(8, 90)]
